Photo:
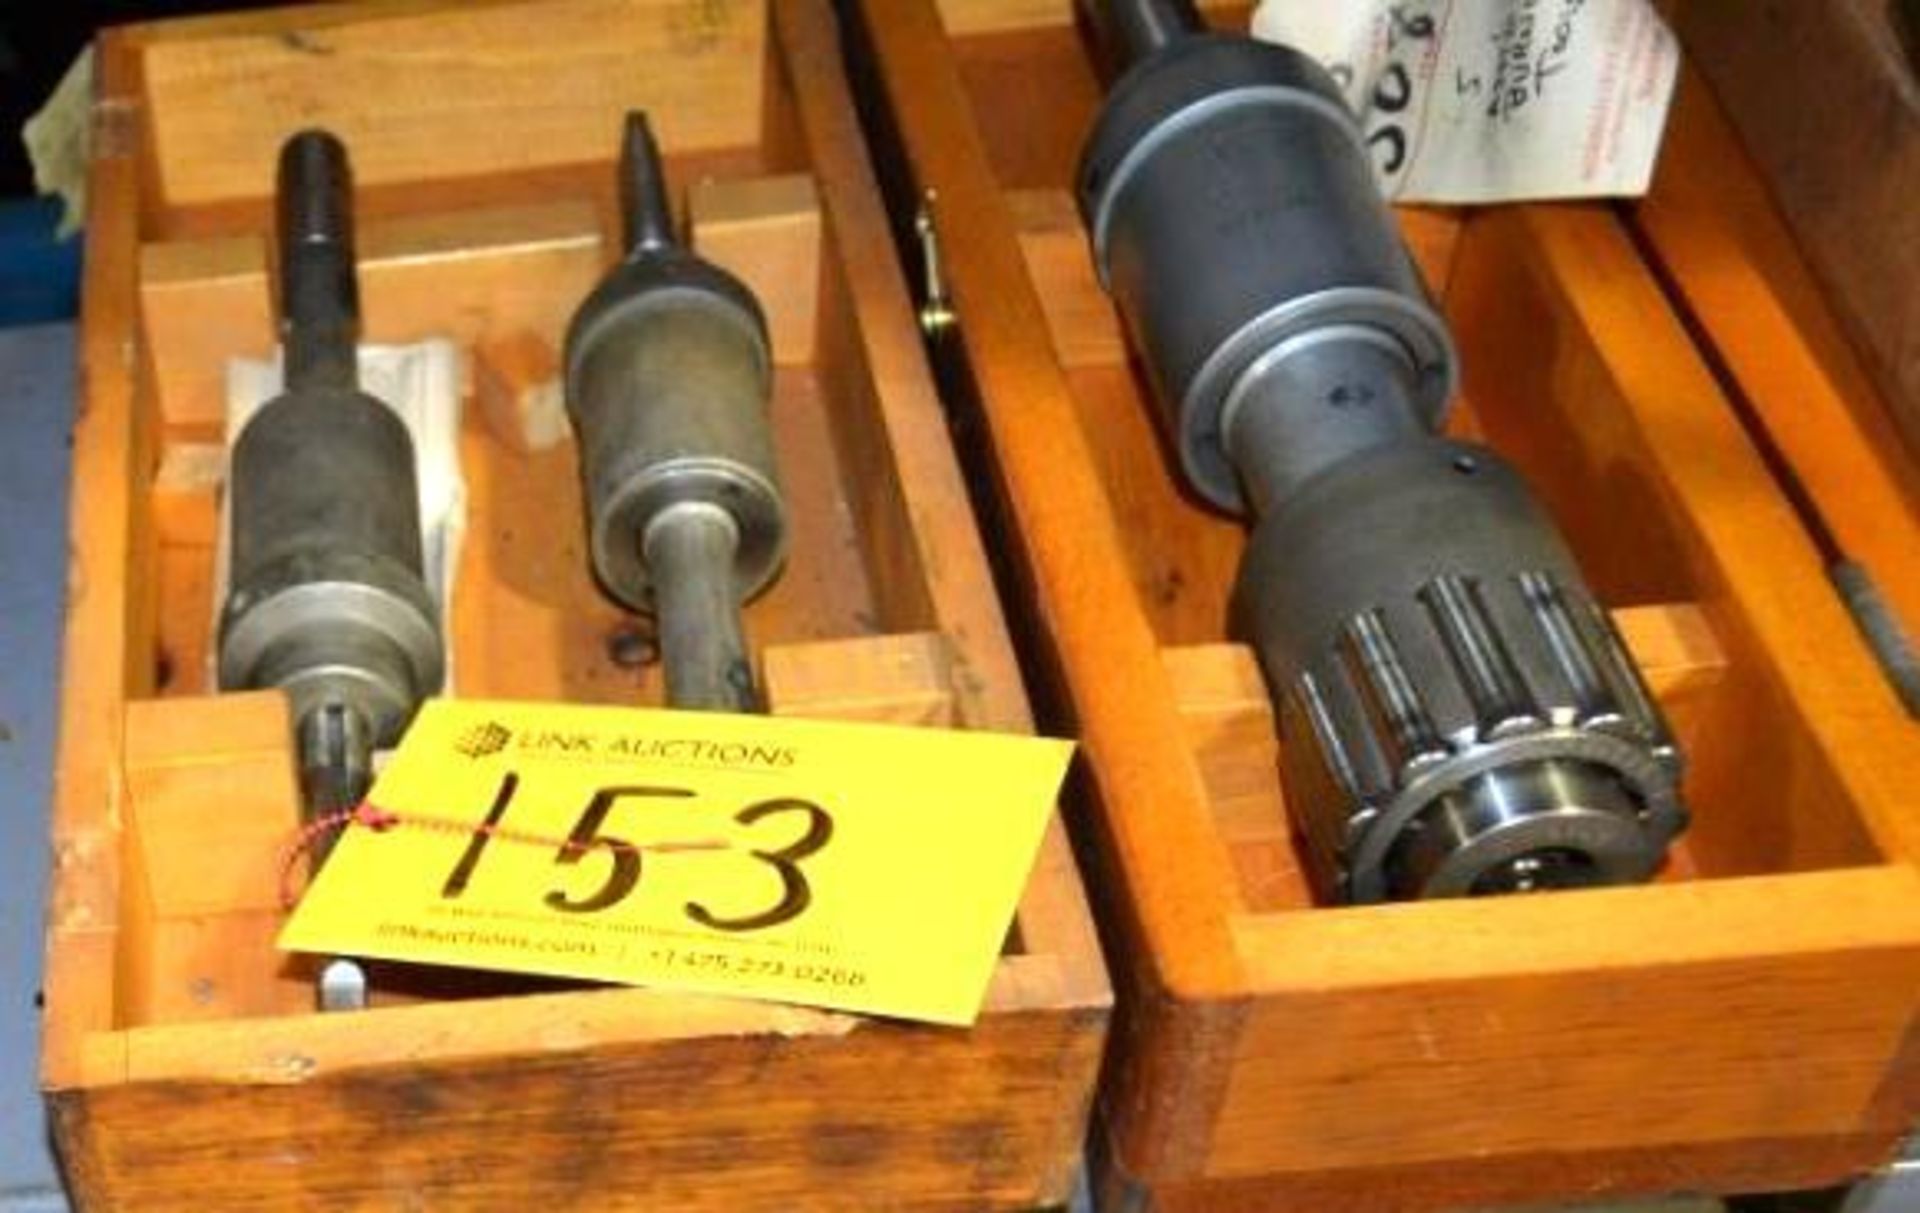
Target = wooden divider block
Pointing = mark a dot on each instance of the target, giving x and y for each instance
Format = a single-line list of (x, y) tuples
[(518, 269), (202, 302), (903, 679), (1224, 700), (212, 808), (1085, 327), (186, 493), (212, 799), (768, 231)]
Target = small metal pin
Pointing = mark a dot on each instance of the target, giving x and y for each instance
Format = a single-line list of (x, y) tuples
[(936, 312)]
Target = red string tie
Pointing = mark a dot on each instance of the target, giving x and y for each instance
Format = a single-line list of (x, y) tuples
[(366, 813)]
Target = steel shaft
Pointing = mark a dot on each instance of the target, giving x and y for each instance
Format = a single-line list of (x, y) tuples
[(1140, 28), (1458, 715), (691, 550)]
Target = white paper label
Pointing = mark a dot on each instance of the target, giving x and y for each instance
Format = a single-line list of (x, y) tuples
[(1495, 100)]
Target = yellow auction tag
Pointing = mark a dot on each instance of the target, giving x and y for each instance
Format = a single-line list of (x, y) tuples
[(864, 867)]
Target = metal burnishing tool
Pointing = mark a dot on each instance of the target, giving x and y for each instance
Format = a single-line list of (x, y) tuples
[(669, 371), (326, 598), (1458, 714)]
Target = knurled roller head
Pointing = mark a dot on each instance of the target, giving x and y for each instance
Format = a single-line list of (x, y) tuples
[(1452, 699)]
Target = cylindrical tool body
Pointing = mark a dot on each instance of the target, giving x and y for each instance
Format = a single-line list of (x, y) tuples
[(1232, 209), (668, 379), (325, 591)]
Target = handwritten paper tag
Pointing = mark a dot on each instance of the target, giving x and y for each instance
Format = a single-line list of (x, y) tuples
[(1469, 101), (864, 867)]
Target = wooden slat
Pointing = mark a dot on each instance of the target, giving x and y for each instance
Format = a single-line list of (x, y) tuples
[(1735, 268), (965, 18), (484, 88), (887, 679), (1824, 97), (82, 905), (767, 230), (1561, 1004), (1081, 319), (905, 431)]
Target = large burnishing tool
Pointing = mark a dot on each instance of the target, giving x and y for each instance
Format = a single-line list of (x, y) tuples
[(325, 598), (668, 372), (325, 594), (1457, 713)]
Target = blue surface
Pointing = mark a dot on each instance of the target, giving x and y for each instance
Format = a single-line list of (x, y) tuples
[(39, 275), (36, 411)]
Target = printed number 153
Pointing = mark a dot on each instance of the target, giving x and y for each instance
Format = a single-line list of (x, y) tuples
[(623, 875)]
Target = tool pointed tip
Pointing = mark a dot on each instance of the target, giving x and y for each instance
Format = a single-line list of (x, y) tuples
[(639, 132), (643, 188)]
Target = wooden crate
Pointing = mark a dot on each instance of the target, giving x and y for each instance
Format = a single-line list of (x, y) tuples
[(182, 1064), (1745, 1023)]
